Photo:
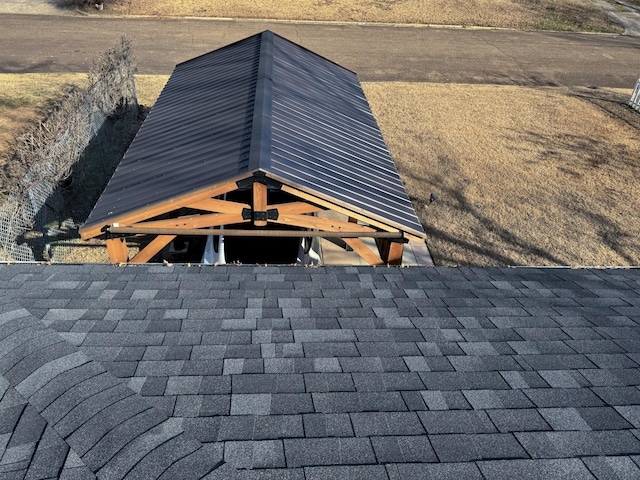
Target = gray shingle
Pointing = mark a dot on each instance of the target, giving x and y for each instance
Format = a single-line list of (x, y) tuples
[(441, 471), (564, 418), (487, 446), (337, 451), (452, 421), (403, 449), (360, 472), (563, 397), (132, 453), (386, 423), (89, 434), (570, 469), (518, 420), (630, 413), (573, 444), (488, 399), (603, 418), (250, 404), (327, 425), (195, 465), (163, 456), (579, 371), (612, 467)]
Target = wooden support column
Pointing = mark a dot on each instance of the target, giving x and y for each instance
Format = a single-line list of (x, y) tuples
[(390, 251), (394, 255), (117, 250), (259, 202), (351, 220)]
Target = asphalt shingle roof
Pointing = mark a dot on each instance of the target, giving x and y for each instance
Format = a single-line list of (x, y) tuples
[(318, 373)]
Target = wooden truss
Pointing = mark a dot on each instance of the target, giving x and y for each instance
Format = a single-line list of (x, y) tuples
[(211, 211)]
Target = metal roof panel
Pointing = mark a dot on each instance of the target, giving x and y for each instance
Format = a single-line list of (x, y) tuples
[(266, 104)]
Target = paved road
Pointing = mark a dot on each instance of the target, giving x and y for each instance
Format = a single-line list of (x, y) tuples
[(34, 43)]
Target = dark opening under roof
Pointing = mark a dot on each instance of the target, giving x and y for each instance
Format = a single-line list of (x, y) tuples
[(263, 104)]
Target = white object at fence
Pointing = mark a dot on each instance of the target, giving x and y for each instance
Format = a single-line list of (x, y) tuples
[(634, 101)]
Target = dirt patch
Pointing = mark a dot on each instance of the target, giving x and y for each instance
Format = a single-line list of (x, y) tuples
[(571, 15), (524, 176)]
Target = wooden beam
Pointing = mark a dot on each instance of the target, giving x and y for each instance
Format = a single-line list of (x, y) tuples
[(259, 202), (117, 250), (336, 208), (365, 252), (161, 208), (193, 221), (218, 206), (148, 252), (296, 208), (350, 213), (231, 232), (328, 224)]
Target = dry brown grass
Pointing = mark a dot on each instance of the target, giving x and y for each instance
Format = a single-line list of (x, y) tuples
[(525, 176), (527, 14), (25, 98)]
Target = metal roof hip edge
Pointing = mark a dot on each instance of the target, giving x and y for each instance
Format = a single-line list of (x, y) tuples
[(261, 136)]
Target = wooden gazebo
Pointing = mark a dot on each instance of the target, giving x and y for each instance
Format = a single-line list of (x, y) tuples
[(257, 137)]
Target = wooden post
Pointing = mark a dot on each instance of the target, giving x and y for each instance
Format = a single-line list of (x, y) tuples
[(117, 250), (259, 202), (390, 252), (394, 255)]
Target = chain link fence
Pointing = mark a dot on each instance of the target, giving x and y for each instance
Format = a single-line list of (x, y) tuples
[(634, 101), (61, 166)]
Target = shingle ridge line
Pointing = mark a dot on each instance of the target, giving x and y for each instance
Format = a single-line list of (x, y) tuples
[(27, 403), (7, 311)]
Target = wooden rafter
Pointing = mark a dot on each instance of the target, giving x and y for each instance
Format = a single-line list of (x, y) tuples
[(327, 224), (218, 206), (349, 213), (161, 208), (194, 221), (296, 208), (148, 252), (365, 252)]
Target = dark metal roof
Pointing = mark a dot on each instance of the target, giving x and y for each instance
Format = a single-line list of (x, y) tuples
[(261, 104)]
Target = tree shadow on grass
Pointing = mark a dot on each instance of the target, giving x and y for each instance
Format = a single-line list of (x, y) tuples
[(73, 4), (487, 254)]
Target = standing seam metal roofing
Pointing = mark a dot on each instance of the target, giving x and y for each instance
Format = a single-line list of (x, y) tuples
[(261, 104)]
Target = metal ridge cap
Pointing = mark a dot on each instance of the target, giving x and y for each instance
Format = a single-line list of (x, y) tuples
[(261, 137)]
